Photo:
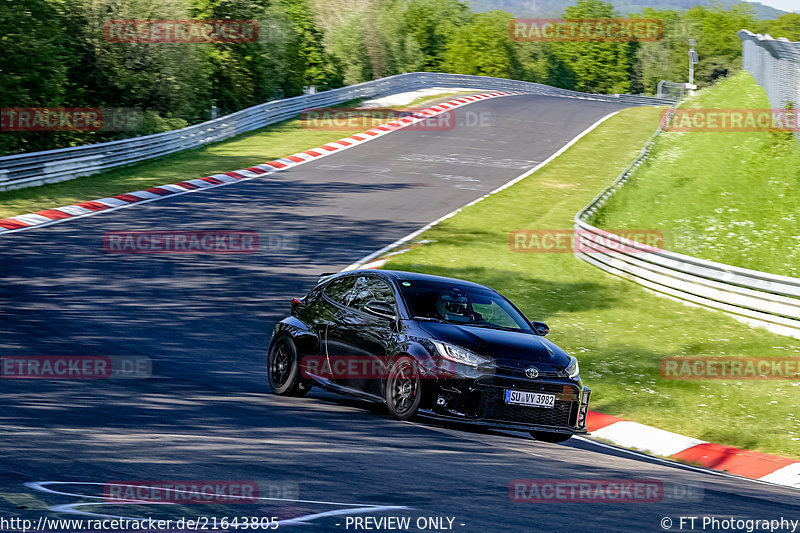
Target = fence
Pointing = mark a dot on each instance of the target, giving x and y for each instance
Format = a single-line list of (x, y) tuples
[(26, 170), (775, 65), (759, 298)]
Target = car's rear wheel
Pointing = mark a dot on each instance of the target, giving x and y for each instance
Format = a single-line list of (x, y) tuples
[(546, 436), (403, 388), (283, 369)]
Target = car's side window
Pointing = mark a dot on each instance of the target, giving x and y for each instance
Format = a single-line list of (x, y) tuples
[(369, 288), (339, 290)]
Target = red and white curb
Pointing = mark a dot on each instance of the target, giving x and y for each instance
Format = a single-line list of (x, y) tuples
[(60, 214), (753, 465)]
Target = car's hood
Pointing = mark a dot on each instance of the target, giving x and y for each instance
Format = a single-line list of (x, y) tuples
[(507, 348)]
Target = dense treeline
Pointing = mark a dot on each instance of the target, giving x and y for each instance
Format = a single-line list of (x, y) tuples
[(54, 53)]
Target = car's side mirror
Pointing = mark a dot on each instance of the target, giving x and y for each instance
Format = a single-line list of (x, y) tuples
[(541, 328), (381, 309)]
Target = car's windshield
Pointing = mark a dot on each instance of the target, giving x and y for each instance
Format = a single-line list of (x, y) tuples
[(460, 304)]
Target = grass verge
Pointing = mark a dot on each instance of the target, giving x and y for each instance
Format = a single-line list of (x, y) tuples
[(254, 148), (731, 197), (618, 330)]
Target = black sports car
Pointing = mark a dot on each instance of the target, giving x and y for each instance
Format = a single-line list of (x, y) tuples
[(443, 347)]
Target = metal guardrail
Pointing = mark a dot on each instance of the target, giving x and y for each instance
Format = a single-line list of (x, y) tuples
[(27, 170), (767, 300)]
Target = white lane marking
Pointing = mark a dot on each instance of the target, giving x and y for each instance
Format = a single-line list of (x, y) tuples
[(71, 508), (521, 177)]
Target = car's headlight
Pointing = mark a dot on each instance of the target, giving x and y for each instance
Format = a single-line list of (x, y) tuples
[(458, 354), (572, 369)]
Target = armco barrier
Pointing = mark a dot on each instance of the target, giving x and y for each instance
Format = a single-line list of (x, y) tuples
[(759, 298), (26, 170)]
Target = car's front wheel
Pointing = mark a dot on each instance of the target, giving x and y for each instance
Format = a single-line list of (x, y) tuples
[(546, 436), (403, 388), (283, 369)]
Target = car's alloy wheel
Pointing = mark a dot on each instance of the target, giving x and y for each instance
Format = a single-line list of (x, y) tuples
[(283, 372), (546, 436), (403, 389)]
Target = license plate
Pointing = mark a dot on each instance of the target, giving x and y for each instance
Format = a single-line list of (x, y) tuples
[(534, 399)]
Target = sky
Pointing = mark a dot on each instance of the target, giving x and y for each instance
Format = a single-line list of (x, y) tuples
[(786, 5)]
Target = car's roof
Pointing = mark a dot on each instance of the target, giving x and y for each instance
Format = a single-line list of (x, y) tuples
[(416, 276)]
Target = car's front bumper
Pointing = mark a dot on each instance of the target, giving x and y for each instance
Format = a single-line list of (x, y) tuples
[(481, 401)]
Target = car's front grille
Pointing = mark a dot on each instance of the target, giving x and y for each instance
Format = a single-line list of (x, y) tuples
[(493, 407)]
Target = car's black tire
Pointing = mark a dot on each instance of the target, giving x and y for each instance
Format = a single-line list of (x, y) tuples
[(546, 436), (283, 369), (403, 392)]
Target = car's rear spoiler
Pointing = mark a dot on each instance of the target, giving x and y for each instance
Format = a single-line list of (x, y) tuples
[(324, 276)]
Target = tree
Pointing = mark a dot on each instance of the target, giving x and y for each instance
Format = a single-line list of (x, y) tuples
[(787, 26), (308, 61), (667, 58), (431, 23), (719, 48), (483, 47), (598, 67)]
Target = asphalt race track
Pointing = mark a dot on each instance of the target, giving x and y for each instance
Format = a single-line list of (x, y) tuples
[(205, 320)]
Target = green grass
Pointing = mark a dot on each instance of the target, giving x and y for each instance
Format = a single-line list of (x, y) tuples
[(254, 148), (731, 197), (618, 330)]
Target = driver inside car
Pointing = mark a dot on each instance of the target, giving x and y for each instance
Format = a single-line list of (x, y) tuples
[(456, 308)]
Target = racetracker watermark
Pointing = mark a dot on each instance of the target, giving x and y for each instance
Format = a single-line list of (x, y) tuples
[(709, 368), (14, 119), (198, 491), (364, 367), (608, 30), (629, 241), (727, 120), (180, 31), (585, 490), (54, 367), (602, 490), (348, 119), (717, 523), (196, 242)]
